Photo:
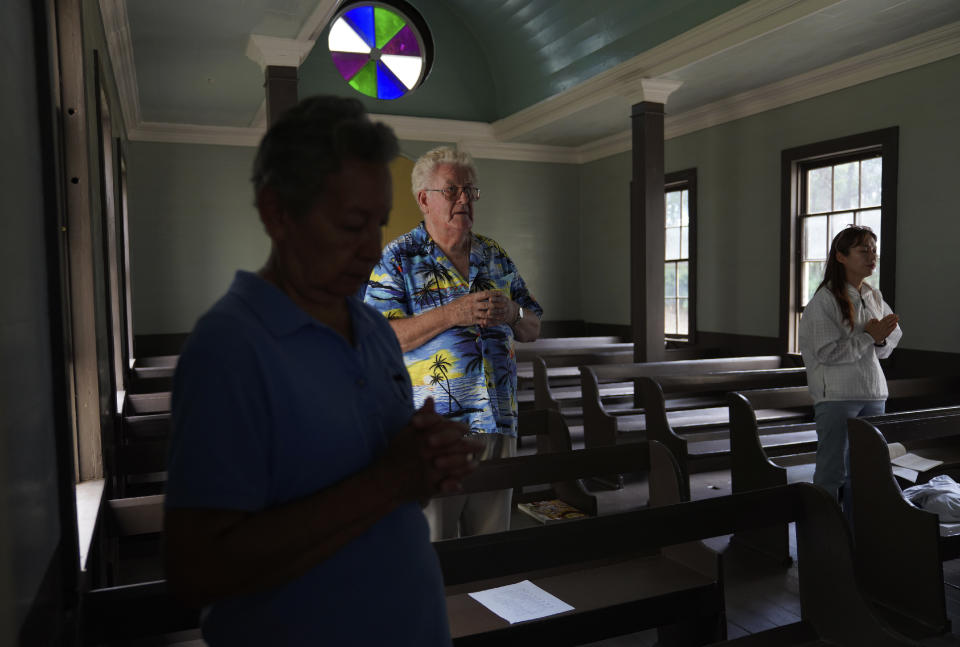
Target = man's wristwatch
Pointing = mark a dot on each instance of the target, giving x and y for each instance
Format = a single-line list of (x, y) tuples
[(519, 316)]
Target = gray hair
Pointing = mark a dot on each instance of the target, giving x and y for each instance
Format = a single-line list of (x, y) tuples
[(310, 142), (424, 168)]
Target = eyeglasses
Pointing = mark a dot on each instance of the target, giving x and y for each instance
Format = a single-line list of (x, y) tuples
[(452, 193)]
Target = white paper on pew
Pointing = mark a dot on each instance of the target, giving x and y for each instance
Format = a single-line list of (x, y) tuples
[(914, 462), (521, 601), (908, 475)]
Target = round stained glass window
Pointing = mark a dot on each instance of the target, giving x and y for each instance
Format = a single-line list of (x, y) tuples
[(379, 49)]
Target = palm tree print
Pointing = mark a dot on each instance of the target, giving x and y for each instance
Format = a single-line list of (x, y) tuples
[(438, 375)]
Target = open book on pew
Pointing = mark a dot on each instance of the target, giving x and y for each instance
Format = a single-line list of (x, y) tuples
[(907, 465), (551, 511)]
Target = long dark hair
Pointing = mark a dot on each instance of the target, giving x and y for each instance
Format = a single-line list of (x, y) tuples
[(835, 274)]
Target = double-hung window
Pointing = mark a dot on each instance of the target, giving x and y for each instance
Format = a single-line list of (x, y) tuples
[(679, 305), (829, 186)]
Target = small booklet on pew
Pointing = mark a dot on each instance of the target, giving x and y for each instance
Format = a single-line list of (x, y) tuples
[(551, 511), (908, 466)]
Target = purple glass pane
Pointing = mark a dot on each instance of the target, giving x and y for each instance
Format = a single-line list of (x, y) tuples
[(361, 19), (349, 63), (404, 43), (388, 85)]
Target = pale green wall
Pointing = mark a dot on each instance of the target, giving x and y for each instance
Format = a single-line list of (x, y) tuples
[(192, 224), (738, 174)]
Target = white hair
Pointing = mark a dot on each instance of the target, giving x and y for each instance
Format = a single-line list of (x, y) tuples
[(424, 168)]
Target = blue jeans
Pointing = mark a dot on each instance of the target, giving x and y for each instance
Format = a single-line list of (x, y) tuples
[(833, 460)]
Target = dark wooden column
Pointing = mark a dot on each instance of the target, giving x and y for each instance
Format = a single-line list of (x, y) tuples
[(647, 233), (281, 86)]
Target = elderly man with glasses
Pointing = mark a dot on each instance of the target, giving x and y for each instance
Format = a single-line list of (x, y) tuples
[(457, 302)]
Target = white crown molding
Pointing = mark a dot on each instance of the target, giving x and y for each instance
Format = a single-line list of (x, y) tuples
[(270, 50), (519, 152), (918, 50), (317, 21), (611, 145), (116, 27), (426, 129), (748, 21), (168, 133), (652, 90)]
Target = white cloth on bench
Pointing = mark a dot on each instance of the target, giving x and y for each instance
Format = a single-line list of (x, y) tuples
[(940, 495)]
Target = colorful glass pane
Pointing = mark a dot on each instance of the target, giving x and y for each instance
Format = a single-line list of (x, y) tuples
[(406, 68), (376, 51), (365, 80), (361, 19), (403, 44), (387, 25), (348, 64), (388, 85)]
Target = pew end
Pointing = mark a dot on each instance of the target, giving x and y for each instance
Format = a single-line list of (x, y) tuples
[(890, 531)]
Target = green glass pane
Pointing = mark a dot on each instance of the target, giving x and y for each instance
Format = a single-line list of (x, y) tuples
[(684, 242), (365, 80), (670, 280), (683, 317), (683, 279), (685, 208), (387, 25)]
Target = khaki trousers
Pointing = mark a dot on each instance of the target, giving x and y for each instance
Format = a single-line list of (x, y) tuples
[(474, 514)]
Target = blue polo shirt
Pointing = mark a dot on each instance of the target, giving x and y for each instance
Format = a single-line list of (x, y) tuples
[(269, 405)]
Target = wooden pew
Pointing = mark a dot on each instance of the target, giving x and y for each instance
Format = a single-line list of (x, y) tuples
[(834, 610), (702, 434), (548, 396), (601, 426), (132, 517), (760, 453), (899, 546), (121, 613)]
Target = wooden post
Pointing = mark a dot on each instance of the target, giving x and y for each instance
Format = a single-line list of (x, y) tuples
[(647, 214), (281, 89), (647, 233)]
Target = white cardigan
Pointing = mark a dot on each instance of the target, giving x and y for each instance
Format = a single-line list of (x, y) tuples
[(842, 364)]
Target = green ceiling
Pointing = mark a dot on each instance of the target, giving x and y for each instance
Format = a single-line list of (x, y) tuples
[(495, 57)]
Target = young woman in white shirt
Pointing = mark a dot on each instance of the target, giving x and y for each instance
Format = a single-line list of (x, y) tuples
[(845, 329)]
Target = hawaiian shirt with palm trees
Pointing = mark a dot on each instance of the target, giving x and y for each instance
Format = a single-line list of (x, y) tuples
[(469, 371)]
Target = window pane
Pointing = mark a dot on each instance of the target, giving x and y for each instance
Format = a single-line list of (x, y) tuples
[(670, 280), (672, 250), (815, 243), (839, 223), (819, 190), (684, 242), (846, 186), (673, 208), (683, 317), (871, 219), (871, 172), (812, 275), (874, 279), (670, 316), (685, 208), (683, 279)]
